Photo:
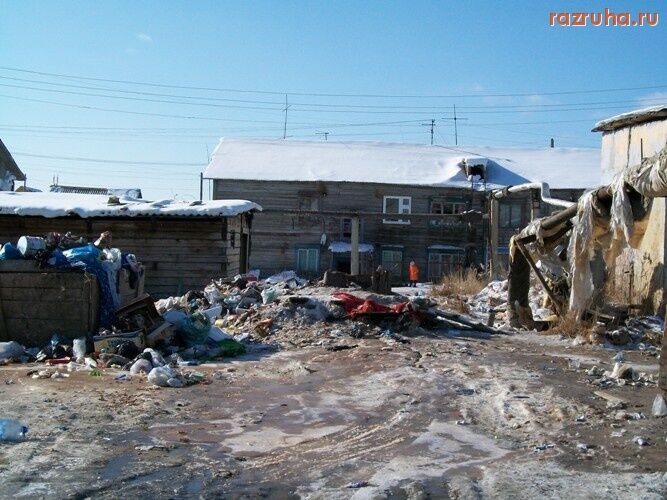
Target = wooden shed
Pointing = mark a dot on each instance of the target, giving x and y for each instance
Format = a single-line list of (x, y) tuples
[(182, 245)]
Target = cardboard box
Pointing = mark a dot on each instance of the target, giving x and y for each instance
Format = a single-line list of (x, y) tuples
[(107, 342)]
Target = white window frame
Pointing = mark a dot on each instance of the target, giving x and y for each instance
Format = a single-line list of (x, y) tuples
[(404, 207)]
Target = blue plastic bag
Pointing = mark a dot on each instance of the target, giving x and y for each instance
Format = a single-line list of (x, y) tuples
[(10, 252)]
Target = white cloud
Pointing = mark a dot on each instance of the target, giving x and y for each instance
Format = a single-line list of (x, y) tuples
[(654, 99), (144, 37)]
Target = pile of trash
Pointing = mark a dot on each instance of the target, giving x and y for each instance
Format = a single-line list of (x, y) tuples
[(69, 251), (640, 332), (160, 339), (490, 304)]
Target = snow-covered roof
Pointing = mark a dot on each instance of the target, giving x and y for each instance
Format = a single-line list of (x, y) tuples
[(395, 163), (632, 118), (88, 205), (343, 246), (446, 247)]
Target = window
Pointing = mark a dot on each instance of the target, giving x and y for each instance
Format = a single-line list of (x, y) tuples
[(443, 263), (396, 205), (447, 207), (392, 261), (309, 201), (346, 229), (511, 215), (442, 207), (308, 260)]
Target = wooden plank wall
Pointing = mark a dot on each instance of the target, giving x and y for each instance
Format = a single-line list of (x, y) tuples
[(35, 304), (179, 254), (276, 236)]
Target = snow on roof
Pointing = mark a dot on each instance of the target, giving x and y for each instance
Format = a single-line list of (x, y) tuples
[(87, 205), (446, 247), (632, 118), (393, 163), (343, 246)]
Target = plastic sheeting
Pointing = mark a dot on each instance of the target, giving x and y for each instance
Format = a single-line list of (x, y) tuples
[(650, 177), (581, 252)]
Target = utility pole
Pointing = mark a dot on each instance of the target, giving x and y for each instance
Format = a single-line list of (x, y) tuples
[(325, 134), (456, 129), (285, 126), (432, 125)]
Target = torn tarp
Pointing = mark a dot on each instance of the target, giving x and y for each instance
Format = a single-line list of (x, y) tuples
[(355, 306)]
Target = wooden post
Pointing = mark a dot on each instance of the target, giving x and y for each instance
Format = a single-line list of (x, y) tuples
[(494, 206), (354, 250), (662, 377)]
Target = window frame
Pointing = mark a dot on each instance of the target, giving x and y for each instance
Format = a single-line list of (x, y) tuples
[(308, 249), (401, 206)]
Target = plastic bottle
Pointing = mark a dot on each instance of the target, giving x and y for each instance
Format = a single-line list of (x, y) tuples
[(12, 430)]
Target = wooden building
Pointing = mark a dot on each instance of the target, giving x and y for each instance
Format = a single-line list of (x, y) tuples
[(9, 170), (412, 202), (639, 273), (182, 245)]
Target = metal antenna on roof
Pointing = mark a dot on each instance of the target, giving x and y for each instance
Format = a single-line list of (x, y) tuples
[(325, 134), (456, 130), (285, 110), (432, 125)]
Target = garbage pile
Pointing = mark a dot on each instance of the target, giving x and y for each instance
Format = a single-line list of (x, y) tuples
[(642, 332), (69, 251), (490, 304), (160, 340)]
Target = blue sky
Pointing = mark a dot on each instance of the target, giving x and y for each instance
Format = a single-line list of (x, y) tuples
[(474, 50)]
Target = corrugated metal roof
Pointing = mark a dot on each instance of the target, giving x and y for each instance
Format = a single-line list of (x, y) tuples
[(128, 193)]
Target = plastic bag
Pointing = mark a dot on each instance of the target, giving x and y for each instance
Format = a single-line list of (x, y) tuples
[(11, 350), (270, 294), (161, 375), (141, 365), (232, 348), (79, 349), (10, 252), (194, 329)]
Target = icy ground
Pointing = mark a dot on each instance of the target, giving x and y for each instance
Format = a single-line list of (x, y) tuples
[(442, 415)]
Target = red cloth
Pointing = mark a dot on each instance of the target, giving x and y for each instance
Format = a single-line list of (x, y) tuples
[(354, 306)]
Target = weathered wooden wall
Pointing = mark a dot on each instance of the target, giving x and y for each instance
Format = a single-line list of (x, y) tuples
[(179, 254), (277, 235), (36, 304)]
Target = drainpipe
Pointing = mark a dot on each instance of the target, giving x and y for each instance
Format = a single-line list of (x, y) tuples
[(494, 206)]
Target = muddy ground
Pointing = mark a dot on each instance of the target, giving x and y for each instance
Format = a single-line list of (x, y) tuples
[(443, 416)]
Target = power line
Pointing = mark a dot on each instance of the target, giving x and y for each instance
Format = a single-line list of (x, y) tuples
[(275, 103), (99, 160), (329, 108), (321, 94)]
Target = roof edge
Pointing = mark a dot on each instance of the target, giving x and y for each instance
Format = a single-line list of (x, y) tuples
[(636, 117)]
